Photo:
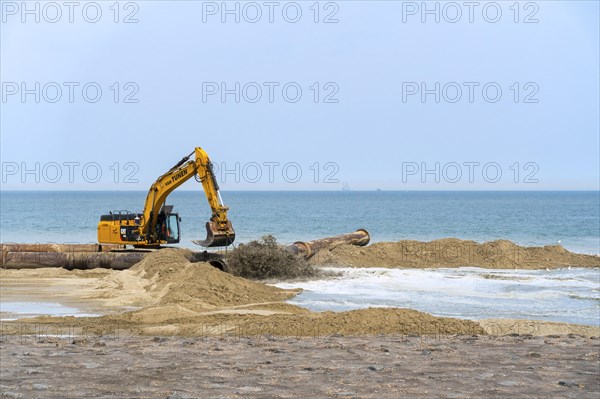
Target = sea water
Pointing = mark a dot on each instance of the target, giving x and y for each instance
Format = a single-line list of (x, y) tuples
[(527, 218), (18, 309)]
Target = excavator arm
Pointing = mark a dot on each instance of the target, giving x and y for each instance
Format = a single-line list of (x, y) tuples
[(219, 229)]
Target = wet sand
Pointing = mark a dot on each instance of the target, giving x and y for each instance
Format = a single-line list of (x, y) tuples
[(317, 367)]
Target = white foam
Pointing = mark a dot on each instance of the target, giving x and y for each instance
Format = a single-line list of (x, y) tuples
[(567, 295)]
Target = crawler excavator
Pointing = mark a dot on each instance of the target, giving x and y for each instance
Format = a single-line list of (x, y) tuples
[(157, 224)]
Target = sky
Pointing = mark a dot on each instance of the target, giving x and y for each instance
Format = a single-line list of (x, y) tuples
[(305, 95)]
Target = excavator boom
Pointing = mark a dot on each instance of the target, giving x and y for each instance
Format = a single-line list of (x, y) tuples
[(156, 225)]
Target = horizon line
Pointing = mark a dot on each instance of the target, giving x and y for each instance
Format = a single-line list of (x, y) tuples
[(314, 191)]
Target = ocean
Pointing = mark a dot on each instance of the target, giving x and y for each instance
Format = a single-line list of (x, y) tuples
[(527, 218)]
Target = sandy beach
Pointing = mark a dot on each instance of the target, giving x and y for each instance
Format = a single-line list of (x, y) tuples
[(210, 334), (326, 367)]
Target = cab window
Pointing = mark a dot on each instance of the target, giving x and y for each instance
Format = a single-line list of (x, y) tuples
[(173, 228)]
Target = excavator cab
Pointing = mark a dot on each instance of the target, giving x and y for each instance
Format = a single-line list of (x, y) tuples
[(168, 225), (173, 228)]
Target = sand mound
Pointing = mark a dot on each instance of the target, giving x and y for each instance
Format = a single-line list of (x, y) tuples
[(171, 290), (167, 277), (178, 281), (372, 321), (452, 252)]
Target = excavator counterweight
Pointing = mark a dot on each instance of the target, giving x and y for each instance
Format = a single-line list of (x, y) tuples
[(157, 224)]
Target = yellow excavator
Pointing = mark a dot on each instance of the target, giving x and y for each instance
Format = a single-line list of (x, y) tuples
[(157, 224)]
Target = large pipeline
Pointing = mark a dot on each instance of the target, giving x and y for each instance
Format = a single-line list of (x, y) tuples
[(70, 256), (89, 256), (71, 260), (53, 247), (307, 249)]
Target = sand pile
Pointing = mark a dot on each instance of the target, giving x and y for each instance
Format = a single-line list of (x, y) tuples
[(452, 252), (237, 322), (171, 291), (371, 321), (169, 278)]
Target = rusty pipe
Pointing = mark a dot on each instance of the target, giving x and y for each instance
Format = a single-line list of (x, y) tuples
[(307, 249), (70, 260)]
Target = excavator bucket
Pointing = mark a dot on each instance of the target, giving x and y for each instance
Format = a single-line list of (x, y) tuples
[(216, 237)]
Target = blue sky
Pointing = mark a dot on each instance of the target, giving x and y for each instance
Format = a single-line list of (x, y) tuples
[(367, 129)]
